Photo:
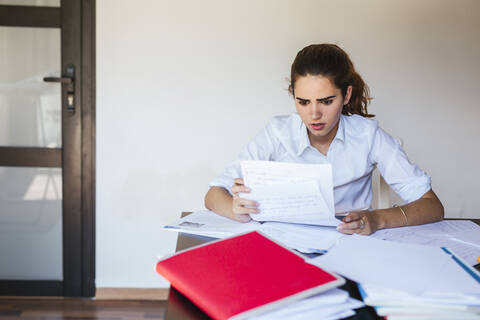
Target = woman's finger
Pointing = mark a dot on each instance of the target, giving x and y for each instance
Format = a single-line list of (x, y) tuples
[(244, 206), (357, 224), (247, 203), (347, 231), (242, 217), (352, 216), (239, 188), (238, 181), (245, 210)]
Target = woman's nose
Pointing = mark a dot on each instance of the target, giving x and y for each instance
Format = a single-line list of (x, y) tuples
[(316, 111)]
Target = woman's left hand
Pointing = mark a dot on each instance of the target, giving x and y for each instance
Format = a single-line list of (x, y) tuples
[(360, 222)]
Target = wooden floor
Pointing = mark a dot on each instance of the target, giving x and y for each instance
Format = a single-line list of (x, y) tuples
[(55, 309)]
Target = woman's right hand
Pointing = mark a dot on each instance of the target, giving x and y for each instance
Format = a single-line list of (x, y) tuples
[(242, 208)]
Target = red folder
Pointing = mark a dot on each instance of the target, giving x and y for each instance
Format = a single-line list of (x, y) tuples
[(238, 277)]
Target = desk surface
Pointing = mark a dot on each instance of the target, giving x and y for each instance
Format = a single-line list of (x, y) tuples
[(180, 308)]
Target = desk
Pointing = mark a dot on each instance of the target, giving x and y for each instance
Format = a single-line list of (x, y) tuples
[(180, 308)]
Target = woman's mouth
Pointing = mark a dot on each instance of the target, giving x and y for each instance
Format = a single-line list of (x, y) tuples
[(318, 126)]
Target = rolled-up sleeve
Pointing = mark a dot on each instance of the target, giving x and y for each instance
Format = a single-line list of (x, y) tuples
[(259, 148), (404, 177)]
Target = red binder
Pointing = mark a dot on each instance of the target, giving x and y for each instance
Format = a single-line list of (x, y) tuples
[(238, 277)]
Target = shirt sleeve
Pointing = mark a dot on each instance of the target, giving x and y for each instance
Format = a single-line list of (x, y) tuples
[(404, 177), (259, 148)]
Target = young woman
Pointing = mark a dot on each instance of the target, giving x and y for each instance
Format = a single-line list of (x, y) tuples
[(332, 125)]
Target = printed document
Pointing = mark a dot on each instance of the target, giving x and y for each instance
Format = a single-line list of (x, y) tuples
[(411, 268), (304, 238), (332, 304), (209, 224), (461, 236), (290, 192)]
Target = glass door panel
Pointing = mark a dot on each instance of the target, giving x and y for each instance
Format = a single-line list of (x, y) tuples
[(31, 223), (30, 117), (30, 109)]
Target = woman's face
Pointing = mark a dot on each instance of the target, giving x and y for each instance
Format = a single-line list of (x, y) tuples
[(319, 103)]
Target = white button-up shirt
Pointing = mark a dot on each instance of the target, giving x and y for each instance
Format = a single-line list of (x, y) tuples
[(359, 145)]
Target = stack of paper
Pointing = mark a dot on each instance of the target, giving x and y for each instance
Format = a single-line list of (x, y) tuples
[(406, 281), (333, 304), (304, 238), (301, 237), (461, 236), (396, 304), (210, 224)]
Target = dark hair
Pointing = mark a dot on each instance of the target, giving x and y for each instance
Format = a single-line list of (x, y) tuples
[(329, 60)]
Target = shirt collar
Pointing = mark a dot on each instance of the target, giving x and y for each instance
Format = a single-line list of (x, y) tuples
[(304, 141)]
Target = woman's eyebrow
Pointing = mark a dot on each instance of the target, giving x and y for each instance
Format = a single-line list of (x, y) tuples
[(326, 98), (298, 98)]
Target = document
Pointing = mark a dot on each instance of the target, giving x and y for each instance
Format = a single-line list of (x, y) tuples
[(375, 295), (416, 269), (290, 192), (461, 236), (304, 238), (209, 224), (392, 303), (333, 304)]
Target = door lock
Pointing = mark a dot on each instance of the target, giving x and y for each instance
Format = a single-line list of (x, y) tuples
[(69, 80)]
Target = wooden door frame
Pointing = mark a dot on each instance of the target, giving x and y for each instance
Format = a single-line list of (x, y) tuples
[(78, 150)]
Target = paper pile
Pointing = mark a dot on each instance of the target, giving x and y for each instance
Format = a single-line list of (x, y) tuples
[(333, 304), (396, 304), (461, 236), (209, 224), (304, 238), (404, 281)]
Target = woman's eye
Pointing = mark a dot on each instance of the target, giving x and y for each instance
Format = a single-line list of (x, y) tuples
[(327, 102)]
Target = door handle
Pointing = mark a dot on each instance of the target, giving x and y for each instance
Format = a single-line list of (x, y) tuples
[(69, 80)]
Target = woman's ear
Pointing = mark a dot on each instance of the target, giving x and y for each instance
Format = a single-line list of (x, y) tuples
[(348, 95), (292, 92)]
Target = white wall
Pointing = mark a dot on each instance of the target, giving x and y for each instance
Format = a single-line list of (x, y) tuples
[(183, 85)]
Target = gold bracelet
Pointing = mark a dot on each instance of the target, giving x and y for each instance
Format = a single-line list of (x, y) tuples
[(404, 214)]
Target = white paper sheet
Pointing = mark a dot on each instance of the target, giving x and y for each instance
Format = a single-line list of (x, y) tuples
[(470, 237), (412, 268), (291, 192), (210, 224), (441, 228), (380, 296), (300, 202), (461, 236), (304, 238), (391, 303), (332, 304), (431, 313)]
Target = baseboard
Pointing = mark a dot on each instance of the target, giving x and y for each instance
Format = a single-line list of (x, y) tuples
[(132, 293)]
